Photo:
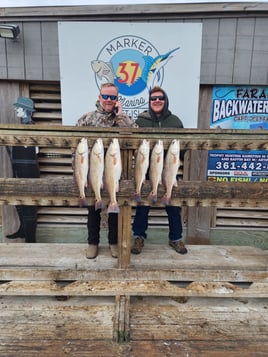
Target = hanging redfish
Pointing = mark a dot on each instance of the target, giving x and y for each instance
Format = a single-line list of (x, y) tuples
[(112, 174), (170, 172), (96, 171), (156, 168), (81, 170), (141, 167)]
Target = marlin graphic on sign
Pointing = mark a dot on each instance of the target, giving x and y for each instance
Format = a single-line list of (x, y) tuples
[(152, 68)]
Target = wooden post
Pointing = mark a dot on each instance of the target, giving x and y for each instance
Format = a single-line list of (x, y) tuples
[(124, 236), (198, 231)]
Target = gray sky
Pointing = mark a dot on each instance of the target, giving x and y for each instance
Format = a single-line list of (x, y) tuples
[(26, 3)]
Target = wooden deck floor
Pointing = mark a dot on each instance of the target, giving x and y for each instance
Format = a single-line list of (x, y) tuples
[(221, 262), (55, 302)]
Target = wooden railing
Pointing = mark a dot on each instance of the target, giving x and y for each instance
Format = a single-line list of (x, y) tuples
[(191, 193)]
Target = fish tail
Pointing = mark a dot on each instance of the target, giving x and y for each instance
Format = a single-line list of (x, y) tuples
[(99, 205), (136, 197), (113, 208), (83, 202), (166, 200), (152, 197)]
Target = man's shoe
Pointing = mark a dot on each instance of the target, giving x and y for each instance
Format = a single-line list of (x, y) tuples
[(18, 234), (92, 251), (178, 246), (137, 246), (114, 250)]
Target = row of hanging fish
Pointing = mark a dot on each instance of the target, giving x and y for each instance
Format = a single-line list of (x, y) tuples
[(104, 170), (98, 170), (161, 170)]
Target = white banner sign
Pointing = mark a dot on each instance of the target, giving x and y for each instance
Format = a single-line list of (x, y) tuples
[(134, 56)]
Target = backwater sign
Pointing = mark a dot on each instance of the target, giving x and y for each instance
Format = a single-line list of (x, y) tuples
[(239, 107)]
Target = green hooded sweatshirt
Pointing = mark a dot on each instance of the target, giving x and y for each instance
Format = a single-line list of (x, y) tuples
[(148, 119)]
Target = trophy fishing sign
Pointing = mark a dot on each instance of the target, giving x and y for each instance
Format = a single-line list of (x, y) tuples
[(135, 57)]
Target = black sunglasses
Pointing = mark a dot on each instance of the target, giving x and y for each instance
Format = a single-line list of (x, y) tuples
[(155, 97), (106, 96)]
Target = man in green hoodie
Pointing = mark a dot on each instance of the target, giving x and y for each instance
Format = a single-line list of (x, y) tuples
[(161, 117)]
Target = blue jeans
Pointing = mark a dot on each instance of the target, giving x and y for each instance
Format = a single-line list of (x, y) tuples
[(140, 223)]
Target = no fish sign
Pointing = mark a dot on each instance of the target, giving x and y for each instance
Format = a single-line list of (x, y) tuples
[(135, 57)]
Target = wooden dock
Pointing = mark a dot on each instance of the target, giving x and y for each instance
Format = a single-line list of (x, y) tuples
[(209, 302)]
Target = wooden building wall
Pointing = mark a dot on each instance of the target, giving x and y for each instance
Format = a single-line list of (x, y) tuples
[(234, 51)]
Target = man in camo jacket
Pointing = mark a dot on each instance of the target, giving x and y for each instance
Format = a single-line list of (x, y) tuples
[(108, 114)]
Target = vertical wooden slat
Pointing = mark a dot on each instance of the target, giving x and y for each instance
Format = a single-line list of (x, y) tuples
[(15, 57), (25, 90), (209, 50), (33, 55), (3, 61), (50, 51), (225, 53), (198, 231), (124, 236), (243, 50), (204, 107), (121, 328), (258, 70)]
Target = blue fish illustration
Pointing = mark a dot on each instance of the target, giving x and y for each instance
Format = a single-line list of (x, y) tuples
[(152, 67)]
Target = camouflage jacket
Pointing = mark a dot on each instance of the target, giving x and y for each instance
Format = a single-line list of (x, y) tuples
[(101, 118)]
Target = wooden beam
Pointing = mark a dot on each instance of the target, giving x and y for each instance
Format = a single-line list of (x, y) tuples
[(133, 288), (144, 10), (130, 138), (63, 192)]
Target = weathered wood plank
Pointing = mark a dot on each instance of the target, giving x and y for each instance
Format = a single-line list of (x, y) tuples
[(25, 319), (243, 213), (47, 116), (121, 321), (235, 222), (62, 190), (207, 319), (161, 9), (80, 318), (160, 348), (42, 261), (130, 138), (132, 288)]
